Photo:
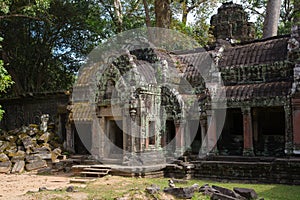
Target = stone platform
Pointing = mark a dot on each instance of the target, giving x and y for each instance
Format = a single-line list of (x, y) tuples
[(241, 169)]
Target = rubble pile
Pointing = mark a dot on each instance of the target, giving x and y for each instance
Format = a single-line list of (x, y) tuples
[(28, 148)]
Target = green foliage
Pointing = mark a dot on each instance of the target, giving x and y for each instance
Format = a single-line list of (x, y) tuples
[(5, 81), (257, 10), (45, 47)]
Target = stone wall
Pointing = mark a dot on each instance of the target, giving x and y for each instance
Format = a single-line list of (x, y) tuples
[(242, 169), (25, 110)]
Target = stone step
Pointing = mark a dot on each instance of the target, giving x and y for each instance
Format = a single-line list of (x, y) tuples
[(100, 166), (96, 169), (94, 174), (82, 180)]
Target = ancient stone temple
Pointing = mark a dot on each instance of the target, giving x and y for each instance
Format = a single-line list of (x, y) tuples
[(239, 98), (258, 82)]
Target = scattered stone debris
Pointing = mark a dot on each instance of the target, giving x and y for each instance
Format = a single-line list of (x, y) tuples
[(70, 189), (221, 193), (153, 189), (245, 192), (214, 192), (29, 148), (185, 193), (41, 189)]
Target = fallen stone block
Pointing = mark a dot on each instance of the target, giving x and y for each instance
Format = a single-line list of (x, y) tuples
[(11, 138), (12, 148), (220, 196), (47, 170), (4, 146), (246, 192), (17, 153), (45, 137), (54, 154), (3, 157), (185, 193), (33, 157), (42, 149), (207, 190), (18, 167), (28, 142), (5, 167), (44, 156), (17, 158), (36, 164), (152, 189), (225, 191), (70, 189)]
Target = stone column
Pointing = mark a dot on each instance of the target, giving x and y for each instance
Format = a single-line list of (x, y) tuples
[(95, 148), (179, 128), (69, 138), (204, 139), (296, 125), (212, 139), (248, 132), (255, 124), (288, 130), (102, 137)]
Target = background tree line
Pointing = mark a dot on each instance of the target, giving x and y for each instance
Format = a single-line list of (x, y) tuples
[(44, 42)]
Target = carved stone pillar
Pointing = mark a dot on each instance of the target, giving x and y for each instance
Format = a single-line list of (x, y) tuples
[(179, 128), (255, 125), (204, 139), (288, 130), (296, 125), (212, 139), (70, 138), (102, 137), (95, 149), (248, 132)]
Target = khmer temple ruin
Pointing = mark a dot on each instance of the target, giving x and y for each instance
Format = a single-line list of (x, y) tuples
[(135, 110)]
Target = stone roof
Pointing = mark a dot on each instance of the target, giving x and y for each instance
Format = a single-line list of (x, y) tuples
[(146, 70), (83, 112), (261, 52), (197, 65), (264, 52), (257, 91)]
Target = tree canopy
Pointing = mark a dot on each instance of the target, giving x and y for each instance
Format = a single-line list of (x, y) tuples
[(46, 41)]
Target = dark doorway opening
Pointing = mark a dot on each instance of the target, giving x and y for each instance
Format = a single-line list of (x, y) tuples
[(82, 138), (170, 139), (115, 135), (269, 131), (195, 134), (231, 140)]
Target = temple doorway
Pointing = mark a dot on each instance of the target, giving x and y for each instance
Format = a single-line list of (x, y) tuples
[(231, 140), (269, 131), (115, 135)]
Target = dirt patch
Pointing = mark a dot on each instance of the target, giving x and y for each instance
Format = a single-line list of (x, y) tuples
[(13, 186)]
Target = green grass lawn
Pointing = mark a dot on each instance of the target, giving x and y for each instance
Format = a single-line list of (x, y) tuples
[(112, 186)]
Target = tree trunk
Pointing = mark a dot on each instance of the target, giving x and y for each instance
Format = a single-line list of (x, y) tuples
[(184, 12), (119, 15), (271, 18), (147, 14), (162, 13)]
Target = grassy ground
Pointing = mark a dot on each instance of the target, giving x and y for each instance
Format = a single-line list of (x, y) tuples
[(111, 187)]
